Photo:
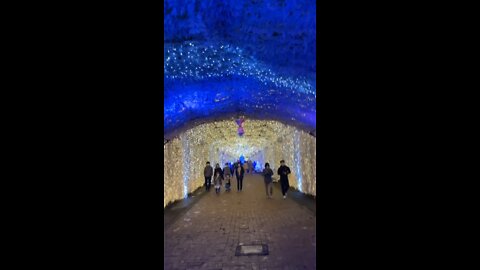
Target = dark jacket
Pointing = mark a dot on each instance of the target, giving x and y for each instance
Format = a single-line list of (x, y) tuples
[(208, 171), (242, 172), (219, 170), (267, 175), (284, 171)]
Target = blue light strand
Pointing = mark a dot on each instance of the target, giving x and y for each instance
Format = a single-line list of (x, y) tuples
[(199, 62), (204, 81)]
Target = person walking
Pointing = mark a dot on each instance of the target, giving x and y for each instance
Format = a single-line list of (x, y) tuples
[(239, 172), (284, 171), (267, 178), (218, 170), (208, 173), (235, 166), (227, 175), (250, 166), (217, 181)]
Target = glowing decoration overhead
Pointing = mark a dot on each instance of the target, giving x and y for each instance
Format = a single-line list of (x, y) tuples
[(227, 57), (209, 60), (213, 84), (240, 126)]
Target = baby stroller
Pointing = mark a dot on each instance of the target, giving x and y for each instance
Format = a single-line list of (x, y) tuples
[(227, 183)]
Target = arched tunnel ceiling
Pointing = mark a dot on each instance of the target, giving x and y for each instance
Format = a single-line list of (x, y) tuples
[(228, 58), (222, 136)]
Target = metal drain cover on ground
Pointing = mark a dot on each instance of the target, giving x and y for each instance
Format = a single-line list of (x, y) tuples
[(252, 250)]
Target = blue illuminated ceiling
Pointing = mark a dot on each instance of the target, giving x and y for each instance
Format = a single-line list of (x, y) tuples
[(223, 59)]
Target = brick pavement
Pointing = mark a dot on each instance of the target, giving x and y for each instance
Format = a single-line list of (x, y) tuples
[(206, 236)]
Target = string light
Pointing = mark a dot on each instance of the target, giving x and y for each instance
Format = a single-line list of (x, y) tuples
[(216, 78), (233, 62), (221, 58), (218, 142)]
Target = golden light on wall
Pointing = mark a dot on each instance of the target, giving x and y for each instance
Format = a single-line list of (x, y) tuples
[(219, 142)]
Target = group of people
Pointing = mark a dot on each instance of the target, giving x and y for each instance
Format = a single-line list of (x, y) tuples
[(226, 174), (249, 166), (283, 171)]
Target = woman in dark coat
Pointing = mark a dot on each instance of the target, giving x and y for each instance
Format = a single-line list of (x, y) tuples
[(219, 170), (239, 172), (284, 171)]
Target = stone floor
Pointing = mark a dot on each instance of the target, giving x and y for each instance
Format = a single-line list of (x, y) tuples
[(207, 234)]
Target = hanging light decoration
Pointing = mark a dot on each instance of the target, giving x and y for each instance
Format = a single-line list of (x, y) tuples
[(240, 122)]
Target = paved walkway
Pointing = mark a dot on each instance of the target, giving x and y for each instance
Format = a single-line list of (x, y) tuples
[(207, 234)]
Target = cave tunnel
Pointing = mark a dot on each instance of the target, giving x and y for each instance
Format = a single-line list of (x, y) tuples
[(240, 82)]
